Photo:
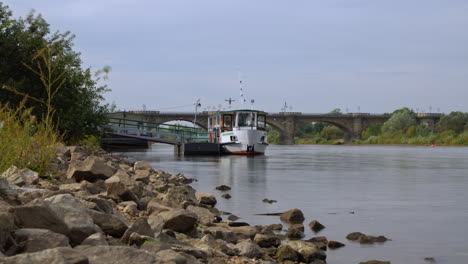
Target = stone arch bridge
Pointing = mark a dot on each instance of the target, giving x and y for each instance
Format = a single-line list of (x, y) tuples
[(353, 124)]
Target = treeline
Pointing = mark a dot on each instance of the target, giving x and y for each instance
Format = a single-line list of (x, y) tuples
[(401, 128), (46, 94)]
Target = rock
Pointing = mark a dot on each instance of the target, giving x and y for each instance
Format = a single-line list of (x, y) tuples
[(375, 262), (74, 213), (176, 195), (102, 205), (365, 239), (226, 196), (140, 226), (316, 226), (21, 177), (294, 216), (223, 188), (244, 232), (237, 224), (205, 215), (116, 188), (431, 260), (142, 175), (354, 236), (5, 188), (276, 227), (156, 208), (7, 225), (266, 241), (180, 220), (170, 256), (306, 251), (285, 253), (269, 201), (154, 246), (206, 198), (98, 239), (91, 169), (33, 239), (39, 216), (109, 223), (233, 217), (298, 226), (141, 165), (131, 209), (335, 244), (294, 232), (60, 255), (249, 249), (222, 233), (321, 242), (118, 255)]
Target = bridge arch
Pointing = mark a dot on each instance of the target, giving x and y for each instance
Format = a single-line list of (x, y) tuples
[(343, 127)]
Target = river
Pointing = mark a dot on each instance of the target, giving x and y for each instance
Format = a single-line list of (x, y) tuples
[(416, 196)]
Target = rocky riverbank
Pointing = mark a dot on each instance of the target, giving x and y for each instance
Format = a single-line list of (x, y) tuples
[(99, 208)]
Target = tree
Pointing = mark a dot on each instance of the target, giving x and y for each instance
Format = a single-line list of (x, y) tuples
[(77, 105), (332, 132), (455, 121), (373, 130), (400, 121)]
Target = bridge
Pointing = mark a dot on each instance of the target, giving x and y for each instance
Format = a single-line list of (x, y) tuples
[(352, 124)]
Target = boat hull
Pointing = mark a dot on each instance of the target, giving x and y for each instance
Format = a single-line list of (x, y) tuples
[(249, 142)]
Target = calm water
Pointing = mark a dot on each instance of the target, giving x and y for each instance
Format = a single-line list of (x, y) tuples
[(417, 196)]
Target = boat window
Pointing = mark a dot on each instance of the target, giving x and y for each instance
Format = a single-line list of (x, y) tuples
[(246, 119), (227, 120), (261, 122)]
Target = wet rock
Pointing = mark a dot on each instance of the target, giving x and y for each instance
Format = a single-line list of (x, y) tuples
[(206, 198), (365, 239), (91, 169), (276, 227), (249, 249), (223, 188), (233, 217), (110, 224), (316, 226), (269, 201), (285, 253), (321, 242), (335, 244), (306, 251), (98, 239), (33, 240), (237, 224), (266, 241), (294, 232), (354, 236), (21, 177), (375, 262), (140, 226), (61, 255), (118, 255), (226, 196), (430, 260), (293, 216)]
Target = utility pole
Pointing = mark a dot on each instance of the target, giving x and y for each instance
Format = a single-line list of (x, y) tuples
[(197, 104)]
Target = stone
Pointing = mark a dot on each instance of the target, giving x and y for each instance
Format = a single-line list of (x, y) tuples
[(21, 177), (156, 208), (206, 199), (33, 239), (321, 242), (249, 249), (109, 223), (131, 209), (244, 232), (205, 215), (102, 205), (39, 216), (298, 226), (176, 195), (222, 233), (266, 241), (142, 165), (180, 220), (365, 239), (293, 216), (294, 232), (142, 175), (237, 224), (316, 226), (140, 226), (223, 188), (233, 218), (91, 169), (118, 255), (375, 262), (154, 246), (354, 236), (335, 244), (59, 255), (171, 256), (306, 251), (97, 239), (226, 196), (75, 214), (430, 259), (7, 225), (276, 227), (285, 253), (269, 201)]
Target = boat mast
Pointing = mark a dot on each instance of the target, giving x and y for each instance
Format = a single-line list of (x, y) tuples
[(242, 100)]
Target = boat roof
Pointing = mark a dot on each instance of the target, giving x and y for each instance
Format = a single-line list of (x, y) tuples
[(239, 110)]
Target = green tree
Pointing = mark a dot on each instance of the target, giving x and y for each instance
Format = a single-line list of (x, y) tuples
[(373, 130), (400, 121), (455, 121), (332, 132), (77, 104)]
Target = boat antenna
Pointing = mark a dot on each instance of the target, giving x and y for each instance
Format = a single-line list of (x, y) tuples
[(242, 101), (230, 101)]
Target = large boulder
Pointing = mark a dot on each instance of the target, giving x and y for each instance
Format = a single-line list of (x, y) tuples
[(91, 169), (21, 177), (266, 241), (249, 249), (244, 232), (316, 226), (205, 215), (33, 240), (7, 225), (60, 255), (176, 195), (98, 239), (116, 187), (140, 226), (180, 220), (285, 253), (293, 216), (110, 224), (222, 233), (74, 212), (295, 232), (307, 251)]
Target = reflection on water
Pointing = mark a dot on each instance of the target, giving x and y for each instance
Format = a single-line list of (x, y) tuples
[(415, 195)]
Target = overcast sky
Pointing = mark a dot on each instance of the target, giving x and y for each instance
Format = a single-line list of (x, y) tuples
[(317, 55)]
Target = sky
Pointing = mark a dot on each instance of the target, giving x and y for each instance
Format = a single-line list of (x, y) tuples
[(371, 56)]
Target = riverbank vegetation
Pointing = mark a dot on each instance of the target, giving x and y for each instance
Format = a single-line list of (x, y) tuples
[(46, 95)]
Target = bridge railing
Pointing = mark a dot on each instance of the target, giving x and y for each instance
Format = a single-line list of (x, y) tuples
[(159, 130)]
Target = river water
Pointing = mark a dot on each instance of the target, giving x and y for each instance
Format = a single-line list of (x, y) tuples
[(416, 196)]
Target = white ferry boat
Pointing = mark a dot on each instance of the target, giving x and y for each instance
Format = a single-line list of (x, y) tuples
[(240, 132)]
